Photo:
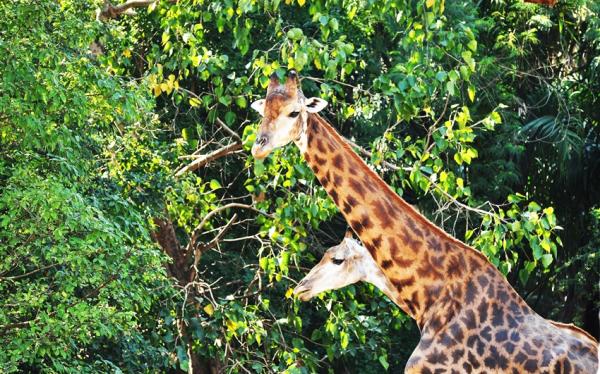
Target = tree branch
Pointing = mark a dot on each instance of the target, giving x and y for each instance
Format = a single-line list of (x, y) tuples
[(205, 247), (367, 153), (14, 277), (205, 159), (449, 197), (109, 11), (229, 130), (198, 228)]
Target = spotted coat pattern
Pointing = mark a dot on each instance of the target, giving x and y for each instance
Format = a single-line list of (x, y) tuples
[(471, 319)]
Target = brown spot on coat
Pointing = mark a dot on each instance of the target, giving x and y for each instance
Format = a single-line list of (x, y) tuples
[(338, 180), (411, 242), (434, 243), (319, 160), (320, 146), (338, 161), (382, 214), (365, 221), (357, 187), (356, 226), (351, 201), (334, 195), (413, 227), (403, 283), (454, 268), (372, 250), (403, 262)]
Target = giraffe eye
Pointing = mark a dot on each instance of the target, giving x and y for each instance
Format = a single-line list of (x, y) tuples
[(337, 261), (293, 114)]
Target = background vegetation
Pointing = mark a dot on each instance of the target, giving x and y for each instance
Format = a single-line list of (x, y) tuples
[(137, 234)]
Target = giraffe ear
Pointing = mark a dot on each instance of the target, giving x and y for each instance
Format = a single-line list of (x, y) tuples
[(259, 106), (314, 104)]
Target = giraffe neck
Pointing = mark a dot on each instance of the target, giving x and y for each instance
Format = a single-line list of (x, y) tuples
[(433, 273)]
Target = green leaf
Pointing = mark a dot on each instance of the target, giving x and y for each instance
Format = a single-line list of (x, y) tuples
[(537, 251), (450, 87), (194, 102), (241, 102), (547, 260), (496, 117), (472, 45), (344, 340), (441, 76), (458, 158), (471, 92), (230, 118), (214, 184), (383, 362), (523, 276), (295, 34), (259, 168)]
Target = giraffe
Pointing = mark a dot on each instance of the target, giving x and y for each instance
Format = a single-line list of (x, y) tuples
[(350, 262), (465, 309), (344, 264)]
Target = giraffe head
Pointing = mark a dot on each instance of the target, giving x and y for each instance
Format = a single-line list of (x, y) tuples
[(285, 112), (341, 265)]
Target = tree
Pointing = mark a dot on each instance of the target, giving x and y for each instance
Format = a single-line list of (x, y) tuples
[(80, 279), (171, 248)]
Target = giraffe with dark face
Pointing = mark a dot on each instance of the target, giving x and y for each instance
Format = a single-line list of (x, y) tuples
[(471, 319)]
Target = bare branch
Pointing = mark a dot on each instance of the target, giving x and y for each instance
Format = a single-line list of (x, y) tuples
[(205, 159), (229, 130), (201, 160), (27, 274), (205, 247), (109, 11), (206, 218)]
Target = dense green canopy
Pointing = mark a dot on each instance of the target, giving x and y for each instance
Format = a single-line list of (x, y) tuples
[(137, 234)]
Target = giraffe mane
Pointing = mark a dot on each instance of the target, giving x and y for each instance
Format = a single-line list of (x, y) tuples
[(385, 187), (576, 330)]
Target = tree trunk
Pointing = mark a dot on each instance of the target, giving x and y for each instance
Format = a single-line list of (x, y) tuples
[(165, 236)]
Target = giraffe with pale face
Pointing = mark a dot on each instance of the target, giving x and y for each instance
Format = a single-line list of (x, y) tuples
[(471, 319), (350, 262)]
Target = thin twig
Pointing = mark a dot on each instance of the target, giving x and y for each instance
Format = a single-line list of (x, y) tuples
[(28, 274), (229, 130)]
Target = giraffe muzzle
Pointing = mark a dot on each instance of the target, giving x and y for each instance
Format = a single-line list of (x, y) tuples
[(261, 147), (302, 290)]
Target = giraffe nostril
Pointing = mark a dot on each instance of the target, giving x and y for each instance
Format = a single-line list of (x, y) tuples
[(261, 141)]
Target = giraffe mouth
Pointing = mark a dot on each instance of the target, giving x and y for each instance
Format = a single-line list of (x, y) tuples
[(302, 293), (260, 152)]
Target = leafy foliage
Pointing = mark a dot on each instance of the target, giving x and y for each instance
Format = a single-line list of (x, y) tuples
[(480, 116)]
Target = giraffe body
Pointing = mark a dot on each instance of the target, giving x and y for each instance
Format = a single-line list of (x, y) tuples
[(456, 296), (473, 339)]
